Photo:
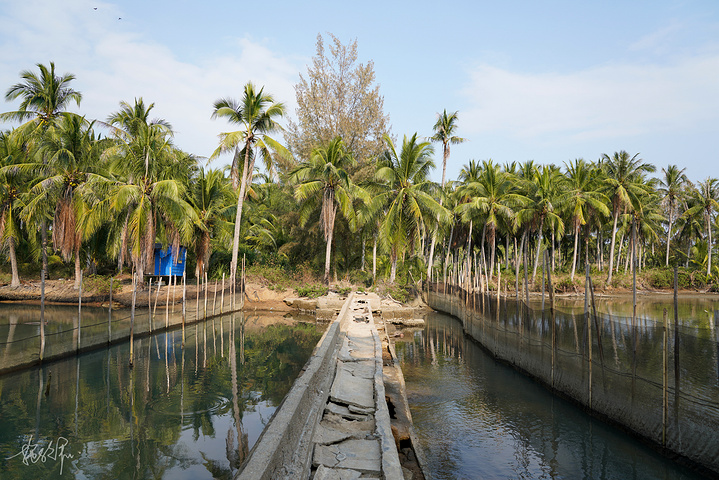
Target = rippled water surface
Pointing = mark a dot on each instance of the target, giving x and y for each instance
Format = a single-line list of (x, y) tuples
[(476, 418)]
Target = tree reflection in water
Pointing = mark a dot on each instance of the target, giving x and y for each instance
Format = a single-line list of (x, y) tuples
[(179, 413)]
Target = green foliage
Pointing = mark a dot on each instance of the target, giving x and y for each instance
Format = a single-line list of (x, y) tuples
[(99, 285), (312, 291)]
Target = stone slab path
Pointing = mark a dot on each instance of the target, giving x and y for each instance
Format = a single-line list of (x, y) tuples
[(354, 439)]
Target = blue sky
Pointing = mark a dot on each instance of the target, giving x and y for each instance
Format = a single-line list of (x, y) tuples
[(546, 81)]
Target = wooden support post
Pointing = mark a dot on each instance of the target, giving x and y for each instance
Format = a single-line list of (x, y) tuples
[(589, 342), (149, 304), (167, 304), (109, 316), (42, 313), (676, 331), (184, 305), (198, 284), (214, 299), (222, 297), (157, 295), (79, 314), (205, 307), (716, 335), (665, 380), (132, 320)]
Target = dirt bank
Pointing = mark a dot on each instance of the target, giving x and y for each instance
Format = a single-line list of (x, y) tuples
[(258, 297)]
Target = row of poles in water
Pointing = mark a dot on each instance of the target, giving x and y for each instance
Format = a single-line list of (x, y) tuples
[(234, 305), (472, 277)]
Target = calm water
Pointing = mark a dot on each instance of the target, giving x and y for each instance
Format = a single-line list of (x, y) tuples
[(476, 418), (180, 413)]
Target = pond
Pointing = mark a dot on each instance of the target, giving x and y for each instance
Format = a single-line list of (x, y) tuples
[(479, 418), (182, 412)]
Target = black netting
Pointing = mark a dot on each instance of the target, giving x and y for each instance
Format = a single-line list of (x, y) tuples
[(613, 364)]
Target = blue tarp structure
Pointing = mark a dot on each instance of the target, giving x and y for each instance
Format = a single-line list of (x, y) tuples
[(167, 264)]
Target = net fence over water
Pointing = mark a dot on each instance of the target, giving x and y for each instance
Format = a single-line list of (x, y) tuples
[(662, 384), (69, 329)]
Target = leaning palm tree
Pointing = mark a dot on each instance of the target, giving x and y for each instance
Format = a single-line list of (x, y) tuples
[(324, 179), (706, 200), (256, 114), (406, 192), (444, 130), (671, 188), (44, 97), (581, 196), (623, 184)]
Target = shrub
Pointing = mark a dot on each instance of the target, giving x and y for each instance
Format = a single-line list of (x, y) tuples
[(312, 291), (100, 284)]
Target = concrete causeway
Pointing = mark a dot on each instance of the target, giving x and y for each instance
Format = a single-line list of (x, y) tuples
[(334, 424)]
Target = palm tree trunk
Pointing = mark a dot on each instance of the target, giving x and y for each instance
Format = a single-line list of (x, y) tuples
[(328, 248), (362, 245), (574, 255), (246, 174), (539, 245), (611, 248), (469, 242), (393, 271), (430, 259), (15, 282), (669, 236), (709, 245), (374, 259), (494, 248)]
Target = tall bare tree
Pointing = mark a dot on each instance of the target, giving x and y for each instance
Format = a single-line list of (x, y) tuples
[(338, 97)]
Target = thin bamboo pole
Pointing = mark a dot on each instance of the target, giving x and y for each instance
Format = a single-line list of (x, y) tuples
[(149, 304), (109, 315), (79, 314), (167, 304), (665, 380), (42, 313), (184, 305), (222, 298), (132, 320)]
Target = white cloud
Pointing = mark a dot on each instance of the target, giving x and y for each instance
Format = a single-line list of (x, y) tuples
[(605, 102), (112, 63)]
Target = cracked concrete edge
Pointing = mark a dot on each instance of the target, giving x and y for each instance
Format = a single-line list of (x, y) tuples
[(391, 467), (284, 447)]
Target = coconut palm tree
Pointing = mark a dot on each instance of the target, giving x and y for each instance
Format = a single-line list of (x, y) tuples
[(324, 179), (406, 192), (490, 198), (211, 196), (544, 205), (144, 189), (256, 113), (67, 158), (44, 97), (12, 184), (706, 200), (623, 184), (671, 188), (444, 132), (581, 195)]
